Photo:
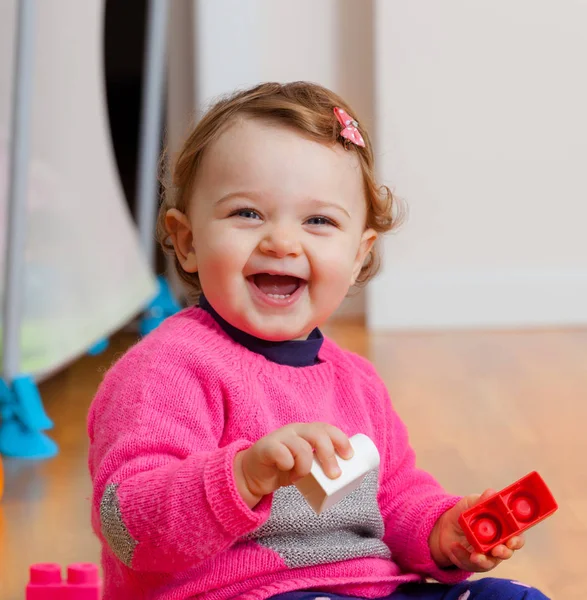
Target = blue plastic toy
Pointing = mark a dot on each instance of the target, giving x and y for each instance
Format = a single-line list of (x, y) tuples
[(23, 420), (162, 306), (99, 347)]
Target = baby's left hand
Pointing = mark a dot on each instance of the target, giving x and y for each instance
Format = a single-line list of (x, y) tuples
[(449, 546)]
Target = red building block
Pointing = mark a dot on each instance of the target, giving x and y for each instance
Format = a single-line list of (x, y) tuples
[(507, 513), (83, 582)]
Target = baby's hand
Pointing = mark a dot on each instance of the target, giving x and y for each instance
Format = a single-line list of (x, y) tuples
[(285, 456), (449, 546)]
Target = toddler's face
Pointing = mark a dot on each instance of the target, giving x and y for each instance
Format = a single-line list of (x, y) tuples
[(275, 229)]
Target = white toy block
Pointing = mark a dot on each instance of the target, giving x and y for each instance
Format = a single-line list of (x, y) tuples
[(321, 492)]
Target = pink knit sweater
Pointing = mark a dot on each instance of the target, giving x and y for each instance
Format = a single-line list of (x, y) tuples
[(164, 428)]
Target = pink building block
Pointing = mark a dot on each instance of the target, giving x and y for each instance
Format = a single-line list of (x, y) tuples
[(83, 582)]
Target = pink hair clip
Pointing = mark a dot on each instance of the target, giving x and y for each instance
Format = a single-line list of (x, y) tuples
[(349, 127)]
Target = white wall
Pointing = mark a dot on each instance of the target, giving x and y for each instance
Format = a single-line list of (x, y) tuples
[(242, 43), (482, 128), (238, 44), (180, 72)]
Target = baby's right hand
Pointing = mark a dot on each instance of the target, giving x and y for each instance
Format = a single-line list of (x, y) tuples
[(285, 456)]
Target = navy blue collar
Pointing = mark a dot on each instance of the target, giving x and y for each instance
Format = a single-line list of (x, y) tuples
[(294, 353)]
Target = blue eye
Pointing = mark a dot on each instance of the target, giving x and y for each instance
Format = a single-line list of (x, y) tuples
[(246, 213), (320, 221)]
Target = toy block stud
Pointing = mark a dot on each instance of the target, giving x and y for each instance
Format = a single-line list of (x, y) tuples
[(321, 492), (44, 582), (83, 582)]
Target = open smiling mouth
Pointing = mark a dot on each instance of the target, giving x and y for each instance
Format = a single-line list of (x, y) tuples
[(277, 289)]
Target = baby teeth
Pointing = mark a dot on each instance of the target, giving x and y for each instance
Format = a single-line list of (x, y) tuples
[(280, 296)]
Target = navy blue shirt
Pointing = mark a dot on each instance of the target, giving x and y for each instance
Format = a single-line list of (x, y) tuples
[(294, 353)]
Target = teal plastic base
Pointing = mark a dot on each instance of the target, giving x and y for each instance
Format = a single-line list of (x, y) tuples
[(22, 421), (99, 347), (162, 306), (18, 442)]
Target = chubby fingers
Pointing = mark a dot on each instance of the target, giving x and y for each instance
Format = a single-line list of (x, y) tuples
[(516, 543), (327, 441), (502, 552), (340, 441), (464, 559), (484, 562), (505, 551), (301, 454), (486, 494)]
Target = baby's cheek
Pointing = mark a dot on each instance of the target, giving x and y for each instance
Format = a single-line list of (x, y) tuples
[(225, 256), (334, 278), (340, 266)]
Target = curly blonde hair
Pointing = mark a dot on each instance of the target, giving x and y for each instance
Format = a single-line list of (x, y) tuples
[(304, 106)]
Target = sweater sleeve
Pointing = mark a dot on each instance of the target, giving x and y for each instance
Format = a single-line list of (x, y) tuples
[(165, 496), (411, 502)]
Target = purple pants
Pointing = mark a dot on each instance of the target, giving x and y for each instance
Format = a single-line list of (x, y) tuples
[(484, 589)]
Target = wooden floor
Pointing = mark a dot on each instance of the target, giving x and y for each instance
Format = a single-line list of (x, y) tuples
[(483, 409)]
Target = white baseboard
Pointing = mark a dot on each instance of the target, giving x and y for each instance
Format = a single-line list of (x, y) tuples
[(477, 300)]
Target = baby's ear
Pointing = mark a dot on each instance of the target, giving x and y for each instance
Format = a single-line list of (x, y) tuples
[(367, 240), (180, 232)]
